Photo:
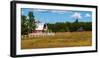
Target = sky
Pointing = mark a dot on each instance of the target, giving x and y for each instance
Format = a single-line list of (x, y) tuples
[(54, 15)]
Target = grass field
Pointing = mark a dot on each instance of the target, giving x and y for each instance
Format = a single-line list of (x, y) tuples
[(60, 39)]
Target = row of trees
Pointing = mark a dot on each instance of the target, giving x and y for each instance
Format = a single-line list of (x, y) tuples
[(27, 23), (69, 26)]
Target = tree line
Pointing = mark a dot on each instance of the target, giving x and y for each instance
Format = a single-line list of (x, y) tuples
[(69, 26)]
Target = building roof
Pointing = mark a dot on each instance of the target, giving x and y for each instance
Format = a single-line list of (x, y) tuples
[(39, 26)]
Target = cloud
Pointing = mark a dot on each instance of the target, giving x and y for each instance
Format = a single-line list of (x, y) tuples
[(87, 15), (77, 15), (59, 11), (40, 10)]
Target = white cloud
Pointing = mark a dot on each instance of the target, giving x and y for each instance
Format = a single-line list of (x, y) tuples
[(77, 15), (58, 11), (40, 10), (87, 15)]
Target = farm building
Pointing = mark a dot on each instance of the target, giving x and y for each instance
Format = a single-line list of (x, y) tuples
[(40, 27)]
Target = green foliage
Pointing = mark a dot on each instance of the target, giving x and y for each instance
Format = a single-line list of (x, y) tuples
[(49, 30), (68, 26), (27, 24), (31, 16), (76, 21)]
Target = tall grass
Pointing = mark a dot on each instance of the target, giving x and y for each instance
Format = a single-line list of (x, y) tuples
[(60, 39)]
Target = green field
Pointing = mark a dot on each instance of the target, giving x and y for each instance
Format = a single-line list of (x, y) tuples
[(60, 39)]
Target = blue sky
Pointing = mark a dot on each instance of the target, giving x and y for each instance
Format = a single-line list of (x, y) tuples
[(53, 16)]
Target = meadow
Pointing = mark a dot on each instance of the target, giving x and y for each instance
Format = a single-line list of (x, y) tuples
[(60, 39)]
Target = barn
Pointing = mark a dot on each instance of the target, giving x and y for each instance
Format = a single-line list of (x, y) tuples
[(40, 27)]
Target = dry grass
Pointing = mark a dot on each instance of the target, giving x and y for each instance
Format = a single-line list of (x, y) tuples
[(64, 39)]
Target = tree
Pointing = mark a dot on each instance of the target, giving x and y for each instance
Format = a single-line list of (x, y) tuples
[(31, 24), (24, 28), (31, 16), (76, 21), (27, 23)]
